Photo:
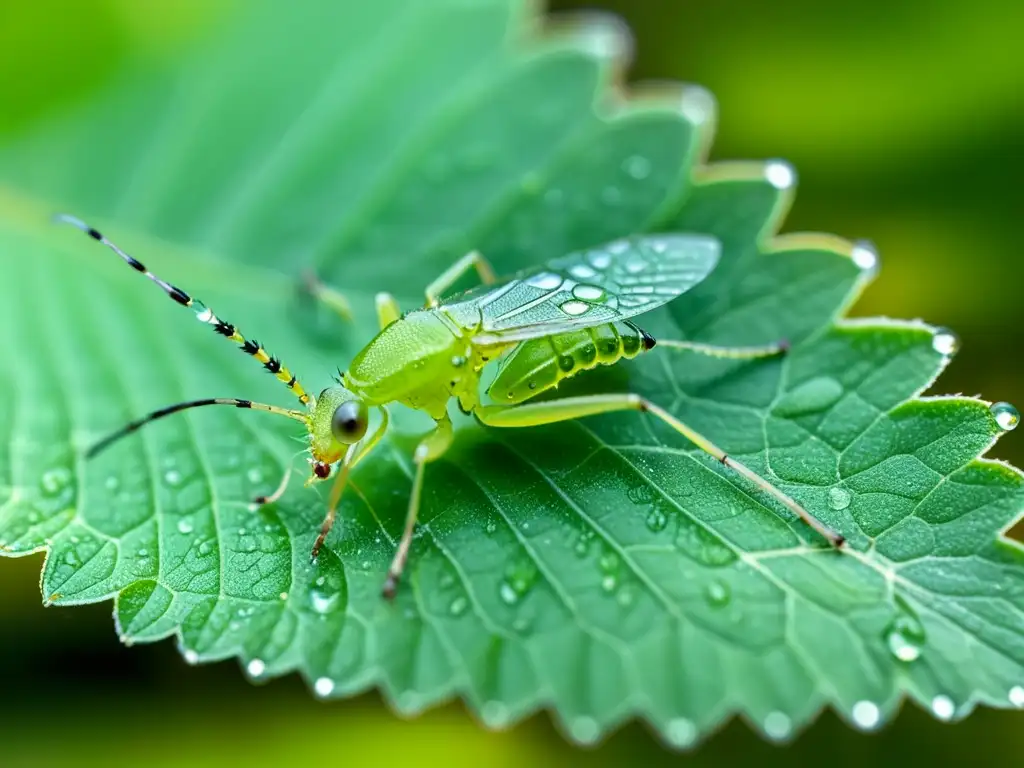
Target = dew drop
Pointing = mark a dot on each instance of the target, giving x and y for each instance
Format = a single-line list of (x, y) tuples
[(324, 687), (839, 498), (780, 174), (943, 707), (609, 565), (519, 578), (254, 475), (584, 730), (637, 166), (582, 272), (72, 559), (191, 656), (717, 593), (1006, 416), (172, 477), (574, 308), (256, 668), (283, 596), (588, 292), (323, 602), (458, 606), (185, 526), (866, 714), (494, 714), (546, 281), (905, 636), (945, 342), (635, 264), (864, 255), (681, 732), (697, 104), (657, 520), (203, 313), (582, 546), (1017, 696), (491, 527), (778, 726), (205, 548), (54, 480)]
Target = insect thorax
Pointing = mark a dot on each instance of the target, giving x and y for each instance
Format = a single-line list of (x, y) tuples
[(420, 360), (540, 364)]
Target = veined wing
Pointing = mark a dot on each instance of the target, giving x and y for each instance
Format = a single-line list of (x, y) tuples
[(602, 285)]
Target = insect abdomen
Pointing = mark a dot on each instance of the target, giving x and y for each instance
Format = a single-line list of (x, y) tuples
[(540, 364)]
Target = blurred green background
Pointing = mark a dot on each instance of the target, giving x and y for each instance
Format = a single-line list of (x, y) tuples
[(906, 124)]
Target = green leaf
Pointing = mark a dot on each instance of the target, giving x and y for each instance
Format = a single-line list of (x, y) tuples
[(604, 569)]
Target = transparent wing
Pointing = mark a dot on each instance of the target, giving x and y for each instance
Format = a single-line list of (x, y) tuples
[(587, 288)]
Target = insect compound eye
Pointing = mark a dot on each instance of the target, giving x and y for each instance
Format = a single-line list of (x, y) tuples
[(349, 422)]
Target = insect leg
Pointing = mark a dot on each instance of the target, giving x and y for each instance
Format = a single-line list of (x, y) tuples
[(731, 353), (355, 454), (203, 313), (387, 309), (446, 279), (533, 414), (329, 297), (430, 448)]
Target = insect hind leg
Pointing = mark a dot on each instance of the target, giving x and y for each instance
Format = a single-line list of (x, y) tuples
[(448, 278), (565, 409)]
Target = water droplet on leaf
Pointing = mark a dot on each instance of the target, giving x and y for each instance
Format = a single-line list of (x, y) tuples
[(945, 342), (1006, 416), (256, 668), (681, 732), (943, 707), (584, 730), (778, 726), (54, 480), (324, 687), (718, 593), (866, 714), (905, 636), (637, 166), (839, 498), (185, 526)]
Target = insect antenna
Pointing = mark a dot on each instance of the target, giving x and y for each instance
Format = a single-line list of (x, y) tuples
[(203, 313), (127, 429)]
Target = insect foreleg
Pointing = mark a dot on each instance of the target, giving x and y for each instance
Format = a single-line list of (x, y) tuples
[(430, 448), (329, 297), (534, 414), (731, 353), (387, 309), (447, 279), (353, 456)]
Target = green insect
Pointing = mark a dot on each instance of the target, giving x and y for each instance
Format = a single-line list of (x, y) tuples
[(540, 326)]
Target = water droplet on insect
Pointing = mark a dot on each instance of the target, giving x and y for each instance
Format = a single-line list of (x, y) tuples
[(203, 313), (172, 477), (324, 687), (1017, 696), (635, 264), (458, 606), (256, 668), (54, 480), (584, 730), (864, 255), (778, 726), (943, 707), (681, 732), (905, 636), (582, 272), (574, 308), (566, 363), (546, 281), (599, 259), (839, 498), (866, 714), (780, 174), (1006, 416), (718, 593), (588, 292), (185, 526), (945, 342), (112, 483), (494, 714), (191, 656), (637, 166), (458, 361)]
